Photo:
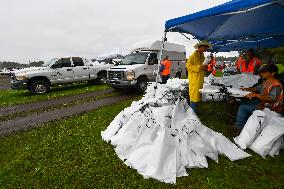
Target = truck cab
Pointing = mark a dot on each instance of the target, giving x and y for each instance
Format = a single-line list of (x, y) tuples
[(141, 65)]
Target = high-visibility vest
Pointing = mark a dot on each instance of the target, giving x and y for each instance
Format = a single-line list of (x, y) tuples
[(167, 67), (239, 61), (211, 65), (276, 106), (251, 66)]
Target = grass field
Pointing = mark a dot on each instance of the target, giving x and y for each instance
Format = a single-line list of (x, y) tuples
[(12, 97), (71, 154)]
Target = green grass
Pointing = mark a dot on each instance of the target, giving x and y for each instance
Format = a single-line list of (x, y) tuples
[(12, 97), (59, 106), (71, 154)]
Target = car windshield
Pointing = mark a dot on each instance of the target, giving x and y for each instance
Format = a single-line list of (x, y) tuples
[(135, 58), (47, 63)]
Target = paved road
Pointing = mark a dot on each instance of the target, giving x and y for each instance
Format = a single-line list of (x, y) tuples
[(36, 119), (9, 110)]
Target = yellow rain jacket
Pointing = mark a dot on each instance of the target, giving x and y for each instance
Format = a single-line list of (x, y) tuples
[(195, 75)]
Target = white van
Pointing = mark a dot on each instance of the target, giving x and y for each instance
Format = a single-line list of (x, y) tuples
[(139, 67)]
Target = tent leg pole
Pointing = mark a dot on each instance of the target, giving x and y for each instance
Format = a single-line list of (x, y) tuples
[(164, 39)]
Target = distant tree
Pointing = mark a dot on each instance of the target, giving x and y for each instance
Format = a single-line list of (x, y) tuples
[(278, 54), (36, 63), (272, 55), (7, 64), (221, 58)]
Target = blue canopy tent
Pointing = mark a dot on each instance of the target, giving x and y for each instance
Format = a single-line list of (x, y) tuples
[(236, 24), (239, 45)]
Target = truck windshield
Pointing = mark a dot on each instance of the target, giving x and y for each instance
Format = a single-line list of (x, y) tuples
[(47, 63), (135, 58)]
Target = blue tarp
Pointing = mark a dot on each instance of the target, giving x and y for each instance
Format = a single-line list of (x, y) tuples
[(249, 21)]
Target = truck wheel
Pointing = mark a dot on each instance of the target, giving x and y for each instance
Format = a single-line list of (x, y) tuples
[(142, 85), (102, 77), (39, 87)]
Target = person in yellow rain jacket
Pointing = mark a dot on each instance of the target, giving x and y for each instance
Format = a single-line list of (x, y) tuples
[(196, 70)]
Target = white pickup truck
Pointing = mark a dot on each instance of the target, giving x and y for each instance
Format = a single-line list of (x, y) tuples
[(58, 71), (139, 67)]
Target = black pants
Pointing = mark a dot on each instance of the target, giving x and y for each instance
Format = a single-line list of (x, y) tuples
[(165, 78)]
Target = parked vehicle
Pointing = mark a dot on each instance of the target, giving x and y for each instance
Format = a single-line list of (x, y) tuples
[(138, 67), (59, 71), (6, 71)]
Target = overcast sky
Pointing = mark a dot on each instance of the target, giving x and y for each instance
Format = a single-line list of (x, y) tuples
[(41, 29)]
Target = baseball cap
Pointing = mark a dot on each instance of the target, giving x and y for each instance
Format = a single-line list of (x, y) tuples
[(269, 68)]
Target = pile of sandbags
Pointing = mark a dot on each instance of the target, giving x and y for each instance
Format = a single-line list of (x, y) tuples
[(263, 133), (242, 80), (218, 88), (160, 136)]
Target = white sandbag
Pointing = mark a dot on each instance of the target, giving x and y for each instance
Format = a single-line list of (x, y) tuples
[(121, 119), (278, 144), (269, 141), (155, 157), (240, 80), (251, 130), (230, 150), (263, 133)]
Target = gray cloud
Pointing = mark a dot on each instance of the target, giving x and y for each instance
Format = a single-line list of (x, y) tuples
[(42, 29)]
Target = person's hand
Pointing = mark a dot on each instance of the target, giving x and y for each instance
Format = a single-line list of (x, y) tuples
[(251, 95), (248, 89), (245, 89)]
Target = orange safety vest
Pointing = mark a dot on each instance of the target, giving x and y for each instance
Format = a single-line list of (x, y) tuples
[(238, 62), (276, 106), (167, 67), (211, 65), (251, 66)]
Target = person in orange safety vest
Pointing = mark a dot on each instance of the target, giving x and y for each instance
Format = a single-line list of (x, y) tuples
[(165, 69), (211, 64), (249, 65), (268, 94), (239, 61)]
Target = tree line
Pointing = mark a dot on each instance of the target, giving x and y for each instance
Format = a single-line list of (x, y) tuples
[(8, 64)]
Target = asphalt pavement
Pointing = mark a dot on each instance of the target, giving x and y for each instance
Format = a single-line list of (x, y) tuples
[(5, 82)]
